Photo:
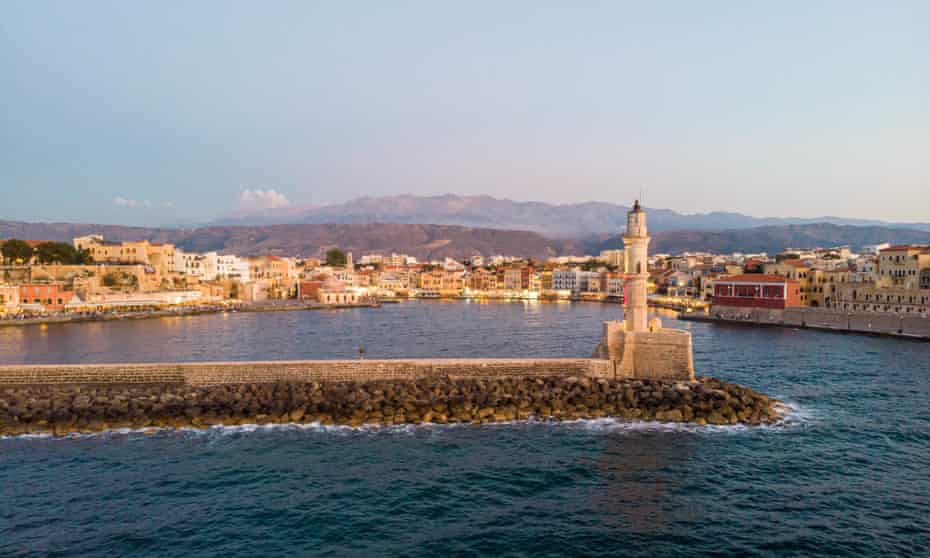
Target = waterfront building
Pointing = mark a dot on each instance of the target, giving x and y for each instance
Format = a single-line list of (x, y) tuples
[(545, 280), (137, 302), (901, 266), (394, 280), (159, 256), (860, 297), (482, 280), (52, 297), (566, 279), (796, 270), (337, 296), (430, 281), (612, 284), (204, 267), (272, 269), (232, 267), (757, 291), (517, 278), (9, 299)]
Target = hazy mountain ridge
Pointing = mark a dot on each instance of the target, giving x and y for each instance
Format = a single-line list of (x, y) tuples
[(421, 241), (770, 239), (577, 220), (439, 241)]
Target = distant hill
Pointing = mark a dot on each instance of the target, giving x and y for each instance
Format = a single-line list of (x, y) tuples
[(439, 241), (772, 239), (556, 221), (421, 241)]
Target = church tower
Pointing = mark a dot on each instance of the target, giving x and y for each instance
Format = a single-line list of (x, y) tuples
[(636, 270)]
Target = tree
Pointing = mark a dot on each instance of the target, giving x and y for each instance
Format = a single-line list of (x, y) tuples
[(787, 256), (120, 279), (15, 250), (335, 257), (60, 253)]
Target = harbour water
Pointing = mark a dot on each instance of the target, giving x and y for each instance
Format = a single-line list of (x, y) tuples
[(847, 474)]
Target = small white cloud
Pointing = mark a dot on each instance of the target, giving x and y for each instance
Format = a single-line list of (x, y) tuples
[(167, 204), (126, 202), (259, 199)]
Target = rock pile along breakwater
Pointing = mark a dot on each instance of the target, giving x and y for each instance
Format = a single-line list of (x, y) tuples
[(66, 409)]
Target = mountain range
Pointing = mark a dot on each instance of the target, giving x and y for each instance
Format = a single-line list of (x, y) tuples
[(430, 242), (426, 242), (579, 220)]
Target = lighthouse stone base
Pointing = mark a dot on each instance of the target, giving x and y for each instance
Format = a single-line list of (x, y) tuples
[(654, 354)]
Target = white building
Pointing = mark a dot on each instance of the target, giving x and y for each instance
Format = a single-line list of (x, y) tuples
[(232, 267), (576, 280), (202, 266)]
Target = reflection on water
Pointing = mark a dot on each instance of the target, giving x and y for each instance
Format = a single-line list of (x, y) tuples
[(640, 477), (409, 329)]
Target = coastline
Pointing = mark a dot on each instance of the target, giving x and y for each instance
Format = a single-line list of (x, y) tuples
[(241, 308), (814, 327)]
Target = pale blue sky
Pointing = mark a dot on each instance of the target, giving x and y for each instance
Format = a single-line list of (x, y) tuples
[(798, 108)]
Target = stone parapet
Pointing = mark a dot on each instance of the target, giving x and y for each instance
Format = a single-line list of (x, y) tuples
[(216, 373), (913, 326)]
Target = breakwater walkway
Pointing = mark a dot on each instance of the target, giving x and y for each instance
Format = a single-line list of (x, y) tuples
[(892, 325)]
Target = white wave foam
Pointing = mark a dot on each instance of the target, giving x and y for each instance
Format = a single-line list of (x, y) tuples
[(793, 415)]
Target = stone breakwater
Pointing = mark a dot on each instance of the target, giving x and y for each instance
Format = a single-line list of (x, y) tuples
[(66, 409)]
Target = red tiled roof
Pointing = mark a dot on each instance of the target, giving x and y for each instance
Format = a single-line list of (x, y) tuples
[(753, 278)]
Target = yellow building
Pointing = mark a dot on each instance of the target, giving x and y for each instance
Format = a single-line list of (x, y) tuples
[(866, 297), (800, 272), (901, 266), (140, 252)]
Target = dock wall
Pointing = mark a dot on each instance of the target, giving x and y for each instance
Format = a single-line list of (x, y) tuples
[(215, 373), (819, 318)]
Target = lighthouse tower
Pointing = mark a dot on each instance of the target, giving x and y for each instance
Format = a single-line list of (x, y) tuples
[(639, 347), (635, 263)]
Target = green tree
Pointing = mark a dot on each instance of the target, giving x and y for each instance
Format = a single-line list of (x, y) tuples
[(15, 250), (59, 253), (335, 257), (787, 256), (120, 279)]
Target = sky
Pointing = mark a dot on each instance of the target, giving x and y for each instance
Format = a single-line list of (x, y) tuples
[(166, 112)]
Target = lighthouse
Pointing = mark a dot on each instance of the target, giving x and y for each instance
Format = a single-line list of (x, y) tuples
[(636, 274), (638, 347)]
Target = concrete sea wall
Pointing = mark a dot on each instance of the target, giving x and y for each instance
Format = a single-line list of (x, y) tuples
[(819, 318), (218, 373)]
